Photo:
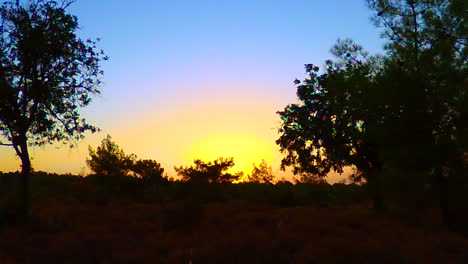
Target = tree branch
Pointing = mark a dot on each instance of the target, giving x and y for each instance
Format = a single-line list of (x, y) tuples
[(416, 41)]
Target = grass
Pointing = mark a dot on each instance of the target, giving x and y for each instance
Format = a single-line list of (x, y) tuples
[(85, 225)]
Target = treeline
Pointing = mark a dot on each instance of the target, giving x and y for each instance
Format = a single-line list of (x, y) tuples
[(100, 188), (116, 175), (110, 161), (124, 174)]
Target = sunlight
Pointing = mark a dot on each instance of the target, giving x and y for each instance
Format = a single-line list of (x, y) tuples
[(245, 148)]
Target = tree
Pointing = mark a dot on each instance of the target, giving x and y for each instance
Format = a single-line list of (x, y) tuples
[(46, 74), (261, 174), (404, 110), (428, 64), (209, 172), (336, 122), (108, 160), (148, 169)]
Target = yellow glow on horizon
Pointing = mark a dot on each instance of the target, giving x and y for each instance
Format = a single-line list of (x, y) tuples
[(243, 147)]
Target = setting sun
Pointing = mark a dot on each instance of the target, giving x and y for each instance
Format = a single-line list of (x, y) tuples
[(243, 147)]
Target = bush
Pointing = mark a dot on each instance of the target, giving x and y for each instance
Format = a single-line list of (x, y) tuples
[(209, 172), (261, 174), (118, 172)]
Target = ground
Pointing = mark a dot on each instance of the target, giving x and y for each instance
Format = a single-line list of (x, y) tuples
[(84, 230)]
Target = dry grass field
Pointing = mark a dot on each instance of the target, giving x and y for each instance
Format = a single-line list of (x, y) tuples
[(82, 230)]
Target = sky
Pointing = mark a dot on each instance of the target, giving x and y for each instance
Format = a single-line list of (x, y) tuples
[(201, 79)]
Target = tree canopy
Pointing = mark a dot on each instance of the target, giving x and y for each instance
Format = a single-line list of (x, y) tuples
[(337, 120), (329, 128), (425, 78), (261, 173), (47, 73), (109, 160), (404, 109)]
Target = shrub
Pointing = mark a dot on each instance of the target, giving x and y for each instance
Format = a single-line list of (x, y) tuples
[(209, 172), (109, 160), (261, 174)]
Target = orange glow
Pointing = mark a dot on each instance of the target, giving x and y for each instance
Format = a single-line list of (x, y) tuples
[(245, 148)]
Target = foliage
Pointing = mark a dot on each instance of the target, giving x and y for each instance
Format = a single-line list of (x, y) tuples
[(424, 86), (46, 74), (109, 160), (404, 110), (337, 120), (428, 50), (147, 169), (261, 174), (310, 178), (330, 127), (209, 172), (133, 189)]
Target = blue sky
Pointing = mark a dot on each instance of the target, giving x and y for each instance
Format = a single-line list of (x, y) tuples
[(182, 72)]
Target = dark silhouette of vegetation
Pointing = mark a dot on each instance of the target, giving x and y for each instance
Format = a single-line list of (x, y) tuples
[(209, 172), (400, 113), (108, 160), (126, 175), (261, 174), (310, 178), (333, 126), (259, 223), (46, 74), (423, 87), (147, 169)]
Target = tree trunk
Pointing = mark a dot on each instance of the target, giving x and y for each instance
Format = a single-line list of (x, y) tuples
[(377, 196), (21, 148), (442, 181), (375, 188)]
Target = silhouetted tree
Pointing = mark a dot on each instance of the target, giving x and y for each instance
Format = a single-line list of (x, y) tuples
[(46, 74), (261, 174), (425, 86), (209, 172), (108, 160), (334, 124), (148, 169), (404, 110)]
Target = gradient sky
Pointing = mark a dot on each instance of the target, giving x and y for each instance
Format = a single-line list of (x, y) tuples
[(201, 79)]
